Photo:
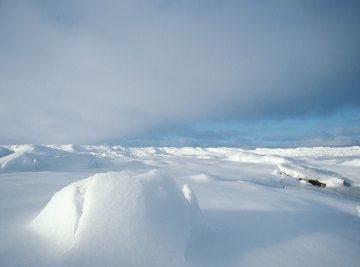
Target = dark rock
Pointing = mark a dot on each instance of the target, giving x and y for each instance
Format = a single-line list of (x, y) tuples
[(316, 183)]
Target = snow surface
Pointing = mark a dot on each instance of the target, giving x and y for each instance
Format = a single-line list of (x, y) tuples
[(74, 205)]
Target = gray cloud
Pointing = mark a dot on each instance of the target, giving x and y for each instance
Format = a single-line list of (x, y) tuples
[(83, 73), (309, 139)]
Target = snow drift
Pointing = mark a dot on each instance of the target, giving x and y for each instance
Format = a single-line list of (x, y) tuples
[(314, 176), (142, 220), (43, 158)]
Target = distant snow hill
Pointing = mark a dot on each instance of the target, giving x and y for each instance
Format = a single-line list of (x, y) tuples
[(43, 158), (288, 162)]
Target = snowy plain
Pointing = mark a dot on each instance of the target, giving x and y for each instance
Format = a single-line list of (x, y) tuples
[(72, 205)]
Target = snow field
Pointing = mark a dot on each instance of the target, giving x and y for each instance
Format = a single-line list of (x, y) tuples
[(113, 206)]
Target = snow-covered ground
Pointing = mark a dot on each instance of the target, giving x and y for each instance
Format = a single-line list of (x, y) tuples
[(76, 205)]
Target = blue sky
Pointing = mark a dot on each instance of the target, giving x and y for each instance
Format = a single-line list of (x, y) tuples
[(160, 72), (338, 129)]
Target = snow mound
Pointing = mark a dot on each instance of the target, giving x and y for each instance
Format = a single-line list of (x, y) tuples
[(318, 177), (142, 220), (250, 157), (354, 162), (43, 158)]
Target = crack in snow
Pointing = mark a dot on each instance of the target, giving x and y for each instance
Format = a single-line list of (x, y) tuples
[(79, 199)]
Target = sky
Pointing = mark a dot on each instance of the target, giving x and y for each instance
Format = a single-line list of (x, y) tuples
[(280, 73)]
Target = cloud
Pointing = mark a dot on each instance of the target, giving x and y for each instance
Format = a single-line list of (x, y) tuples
[(84, 73)]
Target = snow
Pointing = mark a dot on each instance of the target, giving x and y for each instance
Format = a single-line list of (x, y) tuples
[(42, 158), (72, 205), (143, 215), (311, 152), (326, 177), (354, 162)]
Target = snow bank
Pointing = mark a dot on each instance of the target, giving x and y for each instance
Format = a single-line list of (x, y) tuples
[(43, 158), (320, 177), (294, 168), (250, 157), (142, 220)]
